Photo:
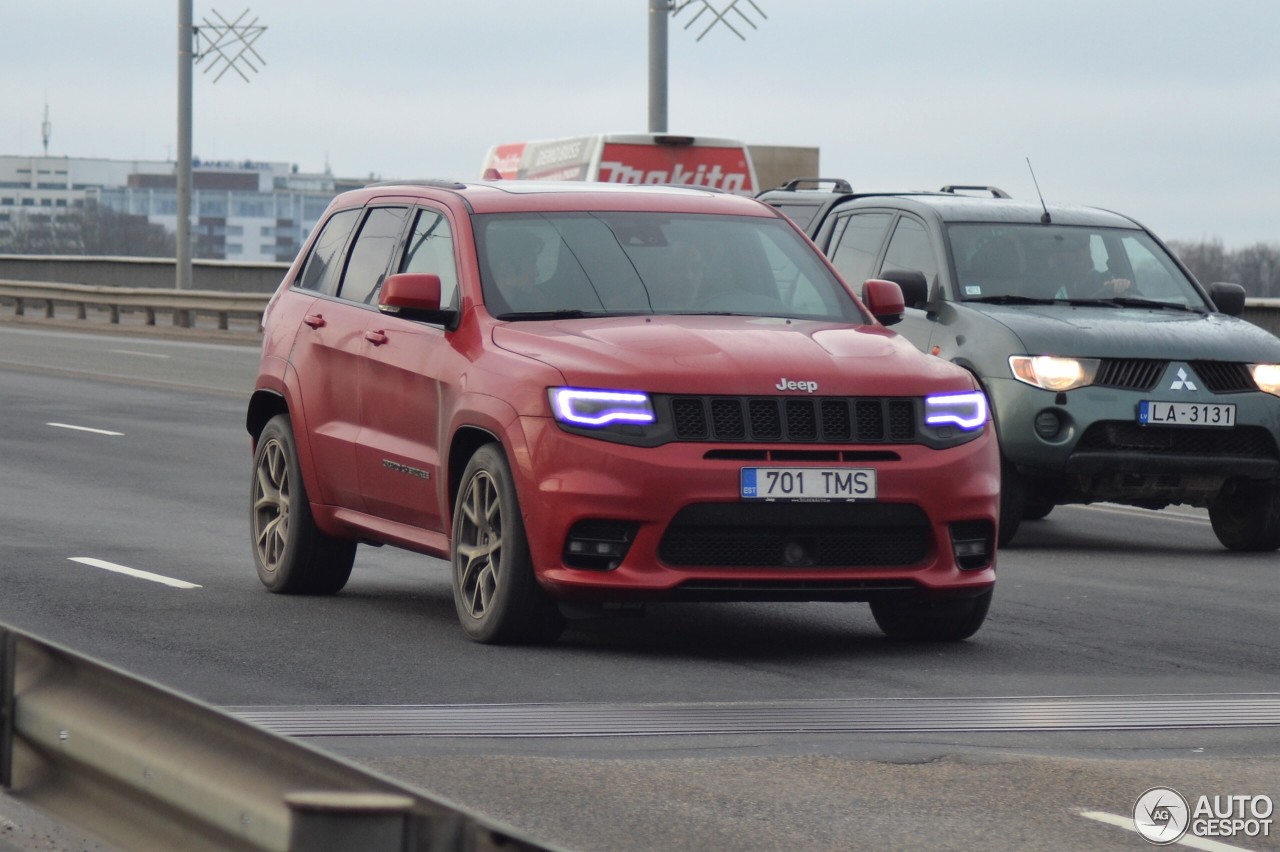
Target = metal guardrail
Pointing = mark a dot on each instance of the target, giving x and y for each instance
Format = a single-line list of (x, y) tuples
[(142, 767), (184, 305)]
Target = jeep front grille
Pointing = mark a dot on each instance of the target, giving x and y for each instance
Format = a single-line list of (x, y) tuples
[(840, 420)]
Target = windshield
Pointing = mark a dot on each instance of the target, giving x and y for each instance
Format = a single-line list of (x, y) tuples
[(603, 264), (1000, 262)]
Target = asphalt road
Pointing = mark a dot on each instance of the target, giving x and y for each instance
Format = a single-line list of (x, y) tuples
[(132, 451)]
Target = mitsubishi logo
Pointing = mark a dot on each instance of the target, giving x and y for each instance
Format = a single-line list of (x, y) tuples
[(1182, 382)]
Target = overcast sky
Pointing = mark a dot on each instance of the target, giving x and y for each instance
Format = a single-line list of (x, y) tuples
[(1168, 110)]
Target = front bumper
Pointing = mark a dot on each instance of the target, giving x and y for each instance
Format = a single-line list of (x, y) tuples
[(1099, 451), (690, 535)]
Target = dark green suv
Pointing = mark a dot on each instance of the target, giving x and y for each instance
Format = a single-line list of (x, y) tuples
[(1113, 374)]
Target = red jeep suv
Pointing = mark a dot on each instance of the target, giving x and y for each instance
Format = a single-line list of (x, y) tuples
[(587, 396)]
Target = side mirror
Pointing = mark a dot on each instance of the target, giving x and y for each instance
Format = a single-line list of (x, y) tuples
[(914, 286), (1228, 298), (414, 296), (884, 300)]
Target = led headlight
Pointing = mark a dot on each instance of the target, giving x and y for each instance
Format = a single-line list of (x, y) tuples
[(1266, 377), (587, 408), (967, 411), (1052, 373)]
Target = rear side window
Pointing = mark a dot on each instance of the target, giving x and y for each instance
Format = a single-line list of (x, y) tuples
[(854, 253), (371, 254), (324, 265)]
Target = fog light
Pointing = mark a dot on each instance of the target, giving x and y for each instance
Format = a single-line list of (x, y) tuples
[(1048, 424), (971, 542), (598, 545)]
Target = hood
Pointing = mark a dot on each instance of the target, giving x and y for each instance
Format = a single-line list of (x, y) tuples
[(1099, 332), (731, 355)]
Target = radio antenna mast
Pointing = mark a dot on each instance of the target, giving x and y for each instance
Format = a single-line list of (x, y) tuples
[(46, 127)]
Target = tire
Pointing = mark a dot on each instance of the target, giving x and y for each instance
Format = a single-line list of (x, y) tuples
[(1013, 501), (1246, 515), (292, 555), (922, 619), (495, 592), (1036, 506)]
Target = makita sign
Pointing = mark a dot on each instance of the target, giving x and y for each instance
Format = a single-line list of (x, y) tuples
[(650, 158)]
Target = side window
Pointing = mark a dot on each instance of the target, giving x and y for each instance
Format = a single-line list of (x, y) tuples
[(909, 249), (855, 252), (430, 249), (371, 254), (323, 266)]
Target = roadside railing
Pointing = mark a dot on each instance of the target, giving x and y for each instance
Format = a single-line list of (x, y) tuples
[(186, 305), (142, 767), (183, 305)]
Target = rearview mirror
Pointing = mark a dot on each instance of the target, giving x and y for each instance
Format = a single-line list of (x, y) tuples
[(884, 300), (414, 296), (1228, 298), (914, 286)]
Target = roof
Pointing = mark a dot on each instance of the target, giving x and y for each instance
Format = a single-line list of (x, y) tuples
[(499, 196)]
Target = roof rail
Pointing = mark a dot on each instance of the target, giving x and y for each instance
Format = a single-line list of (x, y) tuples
[(837, 184), (957, 188)]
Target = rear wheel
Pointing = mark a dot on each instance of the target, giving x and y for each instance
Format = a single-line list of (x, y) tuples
[(291, 553), (942, 620), (1246, 515), (495, 592)]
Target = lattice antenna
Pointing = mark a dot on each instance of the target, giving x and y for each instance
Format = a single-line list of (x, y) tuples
[(229, 45), (721, 15)]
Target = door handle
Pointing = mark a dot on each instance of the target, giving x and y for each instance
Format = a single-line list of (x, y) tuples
[(314, 320), (377, 338)]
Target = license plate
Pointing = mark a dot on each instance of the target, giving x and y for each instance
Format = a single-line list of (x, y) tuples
[(1153, 412), (808, 483)]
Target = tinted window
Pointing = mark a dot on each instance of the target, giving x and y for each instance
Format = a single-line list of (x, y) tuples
[(910, 250), (995, 260), (371, 254), (858, 243), (627, 263), (430, 249), (321, 270)]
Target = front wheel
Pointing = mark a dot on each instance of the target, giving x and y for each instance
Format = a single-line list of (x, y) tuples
[(1246, 515), (1013, 500), (292, 555), (942, 620), (495, 592)]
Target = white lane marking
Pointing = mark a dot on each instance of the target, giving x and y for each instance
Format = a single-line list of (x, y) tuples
[(139, 354), (84, 429), (1186, 839), (133, 572)]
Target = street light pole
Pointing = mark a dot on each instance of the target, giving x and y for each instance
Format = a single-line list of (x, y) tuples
[(658, 12), (186, 41)]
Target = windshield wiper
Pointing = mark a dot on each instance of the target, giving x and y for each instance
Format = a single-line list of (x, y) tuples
[(563, 313), (1132, 302), (1011, 299), (1092, 303)]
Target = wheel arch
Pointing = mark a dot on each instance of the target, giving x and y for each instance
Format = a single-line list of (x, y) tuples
[(263, 405)]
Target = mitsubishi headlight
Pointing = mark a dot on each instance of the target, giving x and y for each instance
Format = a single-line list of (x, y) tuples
[(589, 408), (1266, 377), (1053, 373)]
